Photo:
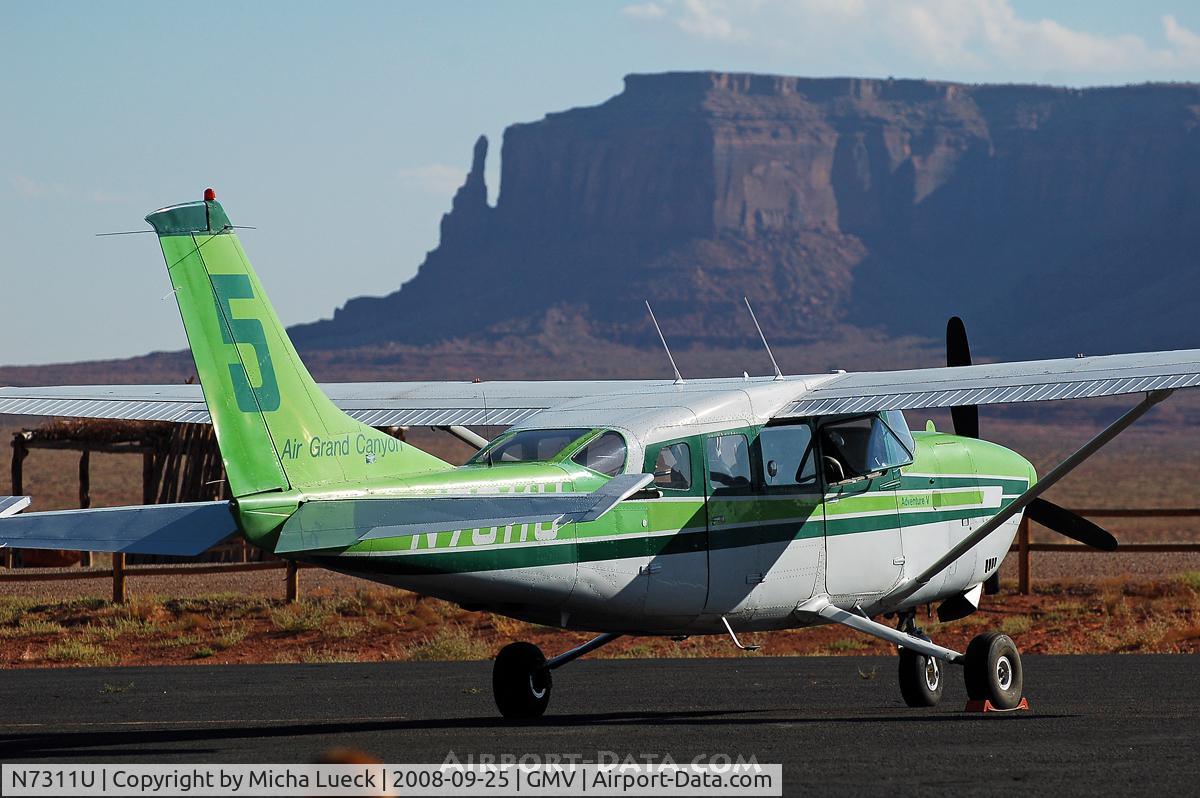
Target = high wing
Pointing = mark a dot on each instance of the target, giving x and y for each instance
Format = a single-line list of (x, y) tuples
[(998, 383), (376, 403), (504, 403)]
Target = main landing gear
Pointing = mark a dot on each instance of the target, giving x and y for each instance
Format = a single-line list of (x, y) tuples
[(921, 681), (521, 680), (991, 669)]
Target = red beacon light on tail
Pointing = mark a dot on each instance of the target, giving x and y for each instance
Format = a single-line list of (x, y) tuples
[(209, 195)]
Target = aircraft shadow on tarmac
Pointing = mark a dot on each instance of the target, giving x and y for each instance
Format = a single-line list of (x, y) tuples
[(129, 742)]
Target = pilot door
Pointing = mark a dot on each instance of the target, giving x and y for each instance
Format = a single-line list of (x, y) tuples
[(860, 467)]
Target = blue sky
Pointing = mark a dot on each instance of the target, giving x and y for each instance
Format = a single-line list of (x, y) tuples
[(342, 131)]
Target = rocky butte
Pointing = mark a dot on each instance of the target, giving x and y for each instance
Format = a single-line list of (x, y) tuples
[(1055, 220)]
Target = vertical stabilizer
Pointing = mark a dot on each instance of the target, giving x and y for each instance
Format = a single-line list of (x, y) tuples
[(275, 427)]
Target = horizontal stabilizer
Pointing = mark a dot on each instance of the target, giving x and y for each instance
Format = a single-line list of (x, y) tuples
[(11, 505), (182, 530), (344, 522)]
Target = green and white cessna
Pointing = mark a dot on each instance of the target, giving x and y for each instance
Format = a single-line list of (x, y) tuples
[(642, 507)]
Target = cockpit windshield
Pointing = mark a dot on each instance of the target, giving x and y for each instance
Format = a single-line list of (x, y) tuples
[(529, 445)]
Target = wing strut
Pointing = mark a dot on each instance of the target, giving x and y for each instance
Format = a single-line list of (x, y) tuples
[(465, 435), (1025, 499)]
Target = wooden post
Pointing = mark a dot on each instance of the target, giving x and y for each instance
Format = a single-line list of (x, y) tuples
[(118, 569), (293, 582), (148, 487), (20, 450), (85, 496), (1023, 564)]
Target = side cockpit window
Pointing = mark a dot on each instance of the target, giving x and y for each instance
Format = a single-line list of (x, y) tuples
[(856, 447), (605, 455), (673, 467)]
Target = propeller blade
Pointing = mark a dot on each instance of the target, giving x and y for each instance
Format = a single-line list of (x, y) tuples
[(958, 353), (958, 349), (1065, 522)]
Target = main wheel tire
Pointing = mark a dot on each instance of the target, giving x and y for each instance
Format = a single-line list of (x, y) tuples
[(520, 684), (993, 671), (921, 681)]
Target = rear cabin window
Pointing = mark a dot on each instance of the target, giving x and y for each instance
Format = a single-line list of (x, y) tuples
[(729, 462), (673, 467), (529, 445), (606, 454)]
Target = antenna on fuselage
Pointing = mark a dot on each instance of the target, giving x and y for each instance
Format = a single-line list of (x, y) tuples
[(678, 376), (778, 373)]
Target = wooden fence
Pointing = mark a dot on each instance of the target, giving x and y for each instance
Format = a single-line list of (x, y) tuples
[(120, 572), (1024, 547)]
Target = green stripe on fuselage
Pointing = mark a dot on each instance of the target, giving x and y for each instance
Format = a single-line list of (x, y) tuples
[(674, 527)]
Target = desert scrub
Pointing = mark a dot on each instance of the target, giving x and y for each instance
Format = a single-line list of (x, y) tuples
[(314, 656), (509, 628), (305, 616), (76, 651), (135, 627), (1015, 625), (177, 642), (99, 632), (192, 622), (32, 627), (345, 630), (451, 642), (228, 635), (12, 608), (144, 608)]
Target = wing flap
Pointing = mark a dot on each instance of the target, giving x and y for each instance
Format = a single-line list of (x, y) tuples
[(183, 530), (343, 522)]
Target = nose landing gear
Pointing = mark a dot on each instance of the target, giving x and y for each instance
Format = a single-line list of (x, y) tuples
[(993, 671)]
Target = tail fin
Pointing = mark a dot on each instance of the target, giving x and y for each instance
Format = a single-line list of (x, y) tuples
[(275, 428)]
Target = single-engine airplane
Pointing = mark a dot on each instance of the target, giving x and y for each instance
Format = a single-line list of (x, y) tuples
[(641, 507)]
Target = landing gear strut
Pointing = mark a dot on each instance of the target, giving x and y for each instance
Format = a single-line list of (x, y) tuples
[(521, 679)]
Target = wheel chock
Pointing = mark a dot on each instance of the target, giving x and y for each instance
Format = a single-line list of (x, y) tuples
[(987, 706)]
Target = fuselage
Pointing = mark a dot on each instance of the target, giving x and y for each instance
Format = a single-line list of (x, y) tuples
[(748, 547)]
